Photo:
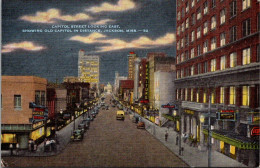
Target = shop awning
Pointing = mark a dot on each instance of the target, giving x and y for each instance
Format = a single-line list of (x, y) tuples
[(171, 118), (234, 139)]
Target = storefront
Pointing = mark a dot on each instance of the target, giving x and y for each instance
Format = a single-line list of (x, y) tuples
[(191, 124)]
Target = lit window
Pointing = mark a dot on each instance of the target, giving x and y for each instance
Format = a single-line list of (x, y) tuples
[(245, 96), (198, 14), (213, 43), (178, 30), (182, 42), (182, 73), (222, 16), (213, 65), (222, 39), (205, 28), (192, 53), (192, 70), (192, 3), (182, 27), (233, 59), (246, 4), (233, 8), (223, 63), (204, 97), (187, 23), (191, 95), (17, 101), (182, 57), (187, 7), (222, 95), (192, 36), (198, 33), (246, 55), (205, 47), (186, 94), (178, 45), (213, 97), (205, 6), (232, 95), (213, 22)]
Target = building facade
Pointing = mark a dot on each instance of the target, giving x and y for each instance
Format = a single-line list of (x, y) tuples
[(131, 65), (88, 68), (116, 83), (217, 70), (18, 121)]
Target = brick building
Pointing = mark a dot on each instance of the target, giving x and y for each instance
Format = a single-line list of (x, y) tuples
[(218, 62)]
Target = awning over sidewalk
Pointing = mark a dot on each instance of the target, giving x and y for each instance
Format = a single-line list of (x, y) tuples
[(234, 139), (171, 118)]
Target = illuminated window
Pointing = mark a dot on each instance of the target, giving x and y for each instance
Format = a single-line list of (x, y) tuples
[(192, 53), (187, 7), (182, 57), (198, 33), (213, 22), (205, 28), (204, 97), (197, 97), (222, 95), (198, 14), (213, 97), (192, 3), (192, 70), (222, 39), (246, 55), (191, 95), (245, 96), (232, 95), (182, 42), (246, 4), (198, 50), (222, 16), (192, 36), (182, 73), (17, 101), (213, 65), (205, 6), (233, 59), (187, 23), (193, 19), (179, 15), (205, 46), (186, 94), (213, 43), (182, 27), (223, 63)]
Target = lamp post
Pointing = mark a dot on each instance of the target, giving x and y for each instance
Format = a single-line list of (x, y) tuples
[(209, 133)]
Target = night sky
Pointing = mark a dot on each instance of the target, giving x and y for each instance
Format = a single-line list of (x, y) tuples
[(54, 55)]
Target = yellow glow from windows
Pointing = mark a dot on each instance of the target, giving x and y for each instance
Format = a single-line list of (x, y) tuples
[(245, 96), (204, 97), (222, 94), (191, 95), (212, 97), (197, 97), (232, 95), (8, 138)]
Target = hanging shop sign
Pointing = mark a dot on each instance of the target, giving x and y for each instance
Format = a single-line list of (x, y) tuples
[(169, 106), (255, 131), (146, 84), (39, 113), (189, 111), (228, 116)]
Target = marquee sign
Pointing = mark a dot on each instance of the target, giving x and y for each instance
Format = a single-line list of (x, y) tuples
[(169, 106), (39, 113), (255, 131)]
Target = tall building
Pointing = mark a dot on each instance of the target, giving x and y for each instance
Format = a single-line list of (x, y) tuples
[(131, 63), (218, 63), (116, 83), (88, 68)]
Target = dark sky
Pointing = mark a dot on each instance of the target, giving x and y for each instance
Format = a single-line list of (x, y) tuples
[(55, 55)]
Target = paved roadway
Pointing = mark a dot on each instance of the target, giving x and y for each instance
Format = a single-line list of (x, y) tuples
[(108, 143)]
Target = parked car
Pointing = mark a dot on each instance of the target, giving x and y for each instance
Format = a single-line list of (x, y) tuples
[(77, 135), (82, 127), (90, 118), (120, 115), (140, 124), (93, 114)]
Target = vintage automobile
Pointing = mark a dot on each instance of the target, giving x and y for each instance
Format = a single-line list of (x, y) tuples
[(77, 135), (140, 124), (120, 115), (82, 127), (93, 114)]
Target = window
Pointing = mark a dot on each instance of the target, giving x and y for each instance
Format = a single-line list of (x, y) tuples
[(212, 97), (182, 57), (204, 97), (245, 4), (182, 42), (213, 22), (258, 21), (187, 23), (213, 43), (178, 91), (198, 33), (198, 50), (192, 53), (213, 3), (182, 27), (186, 94), (222, 39), (245, 96), (233, 8), (205, 28), (187, 72), (222, 16), (193, 19), (191, 94), (246, 55), (205, 67), (205, 7), (192, 3), (246, 27), (182, 73), (178, 74), (186, 55), (197, 97), (233, 34), (178, 59), (233, 59), (232, 95), (192, 36), (199, 68), (43, 98), (179, 15), (186, 40), (17, 101), (178, 30), (192, 70), (187, 7), (37, 98), (205, 46), (213, 65), (222, 62), (182, 13), (178, 47), (222, 95), (198, 14)]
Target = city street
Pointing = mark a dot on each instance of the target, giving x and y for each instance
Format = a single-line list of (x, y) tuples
[(108, 143)]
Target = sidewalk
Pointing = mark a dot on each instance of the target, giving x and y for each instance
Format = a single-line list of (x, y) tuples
[(191, 155), (63, 137)]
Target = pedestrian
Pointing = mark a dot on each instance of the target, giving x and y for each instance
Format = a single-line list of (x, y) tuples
[(32, 145), (177, 140), (166, 136), (29, 144)]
